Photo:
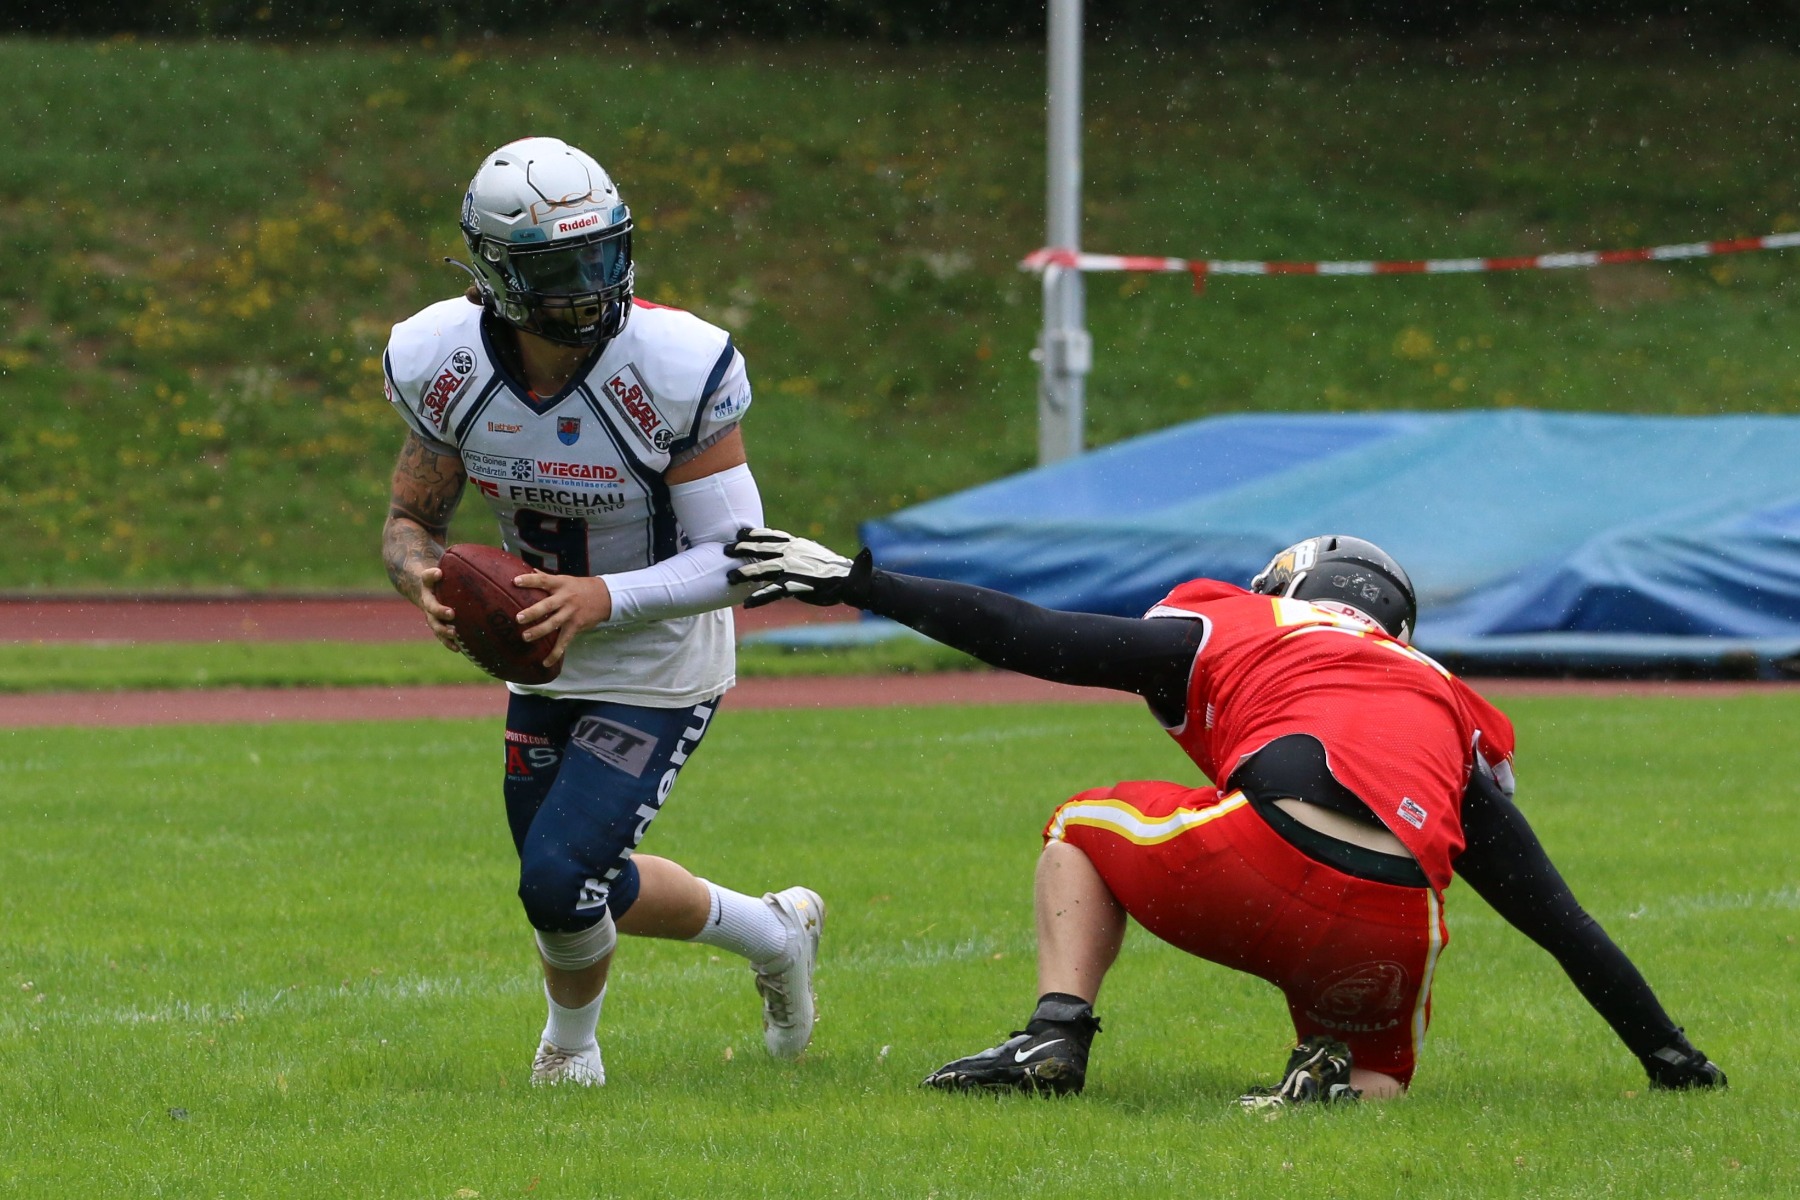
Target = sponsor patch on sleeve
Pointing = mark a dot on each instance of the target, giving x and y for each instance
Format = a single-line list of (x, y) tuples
[(729, 407), (447, 384), (626, 389)]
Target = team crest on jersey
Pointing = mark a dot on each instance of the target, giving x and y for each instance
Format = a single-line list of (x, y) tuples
[(568, 430), (448, 383), (627, 390)]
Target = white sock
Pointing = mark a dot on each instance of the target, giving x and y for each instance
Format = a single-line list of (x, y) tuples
[(743, 925), (572, 1028)]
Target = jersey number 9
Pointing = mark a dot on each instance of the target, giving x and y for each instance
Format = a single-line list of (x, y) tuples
[(554, 545)]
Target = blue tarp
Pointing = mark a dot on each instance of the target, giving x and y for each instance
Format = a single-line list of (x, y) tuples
[(1596, 539)]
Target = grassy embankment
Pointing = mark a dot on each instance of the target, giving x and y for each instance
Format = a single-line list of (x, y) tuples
[(202, 248)]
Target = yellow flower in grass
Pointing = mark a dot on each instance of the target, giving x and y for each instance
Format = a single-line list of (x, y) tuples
[(1414, 343)]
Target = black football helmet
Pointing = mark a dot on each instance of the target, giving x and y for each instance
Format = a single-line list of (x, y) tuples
[(1348, 571)]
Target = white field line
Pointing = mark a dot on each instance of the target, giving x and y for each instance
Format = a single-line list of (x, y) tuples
[(907, 954), (706, 964)]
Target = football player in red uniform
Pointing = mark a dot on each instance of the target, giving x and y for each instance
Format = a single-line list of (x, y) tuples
[(1355, 777)]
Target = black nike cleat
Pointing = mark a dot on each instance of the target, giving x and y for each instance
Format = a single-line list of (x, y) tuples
[(1317, 1072), (1047, 1058), (1046, 1064), (1678, 1066)]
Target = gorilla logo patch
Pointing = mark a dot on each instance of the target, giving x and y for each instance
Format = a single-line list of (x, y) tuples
[(1358, 997)]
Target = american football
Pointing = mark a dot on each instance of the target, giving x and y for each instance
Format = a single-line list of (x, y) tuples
[(478, 585)]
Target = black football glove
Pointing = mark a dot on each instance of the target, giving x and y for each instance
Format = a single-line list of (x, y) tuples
[(785, 565), (1678, 1066)]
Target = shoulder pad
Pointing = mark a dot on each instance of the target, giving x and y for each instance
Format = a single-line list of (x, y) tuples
[(674, 352), (433, 357), (1195, 591)]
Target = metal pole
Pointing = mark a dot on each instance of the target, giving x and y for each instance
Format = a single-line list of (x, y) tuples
[(1065, 352)]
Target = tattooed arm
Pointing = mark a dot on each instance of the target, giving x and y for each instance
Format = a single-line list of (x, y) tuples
[(426, 489)]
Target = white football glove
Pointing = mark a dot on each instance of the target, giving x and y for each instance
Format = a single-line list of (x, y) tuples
[(786, 565)]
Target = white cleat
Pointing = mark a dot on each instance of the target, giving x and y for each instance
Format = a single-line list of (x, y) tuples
[(555, 1067), (786, 982)]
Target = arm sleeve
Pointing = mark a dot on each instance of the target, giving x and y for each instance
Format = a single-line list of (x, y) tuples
[(1508, 868), (1150, 658), (711, 510)]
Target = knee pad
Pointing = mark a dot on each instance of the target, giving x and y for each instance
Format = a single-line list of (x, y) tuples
[(582, 949), (560, 894)]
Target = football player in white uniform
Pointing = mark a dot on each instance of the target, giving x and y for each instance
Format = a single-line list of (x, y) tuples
[(603, 433)]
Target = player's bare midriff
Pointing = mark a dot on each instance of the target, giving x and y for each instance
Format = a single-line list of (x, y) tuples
[(1345, 829)]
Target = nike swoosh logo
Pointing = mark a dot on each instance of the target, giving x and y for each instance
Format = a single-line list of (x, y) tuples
[(1020, 1056)]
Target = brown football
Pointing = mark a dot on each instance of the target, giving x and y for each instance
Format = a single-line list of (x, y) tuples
[(478, 586)]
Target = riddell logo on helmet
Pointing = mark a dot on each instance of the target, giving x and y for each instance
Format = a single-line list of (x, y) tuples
[(573, 225)]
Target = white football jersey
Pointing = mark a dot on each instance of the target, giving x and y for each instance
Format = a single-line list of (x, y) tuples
[(576, 479)]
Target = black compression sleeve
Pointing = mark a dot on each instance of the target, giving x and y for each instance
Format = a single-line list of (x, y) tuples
[(1508, 868), (1150, 658)]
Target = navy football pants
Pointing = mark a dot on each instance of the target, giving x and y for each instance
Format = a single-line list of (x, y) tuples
[(584, 779)]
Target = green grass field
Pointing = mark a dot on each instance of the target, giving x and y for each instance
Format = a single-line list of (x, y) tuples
[(203, 246), (86, 666), (286, 961)]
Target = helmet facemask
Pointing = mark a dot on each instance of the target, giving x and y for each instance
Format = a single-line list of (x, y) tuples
[(574, 293)]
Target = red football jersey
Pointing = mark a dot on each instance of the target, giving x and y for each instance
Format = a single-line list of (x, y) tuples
[(1398, 729)]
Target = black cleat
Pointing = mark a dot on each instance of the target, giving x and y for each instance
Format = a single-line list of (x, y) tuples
[(1678, 1066), (1317, 1072), (1047, 1058), (1046, 1064)]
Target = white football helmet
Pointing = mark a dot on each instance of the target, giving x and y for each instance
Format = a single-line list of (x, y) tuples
[(552, 242)]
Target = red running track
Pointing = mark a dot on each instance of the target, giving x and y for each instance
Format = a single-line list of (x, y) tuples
[(345, 618), (381, 618)]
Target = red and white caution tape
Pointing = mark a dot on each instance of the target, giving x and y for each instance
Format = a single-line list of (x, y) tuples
[(1201, 268)]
